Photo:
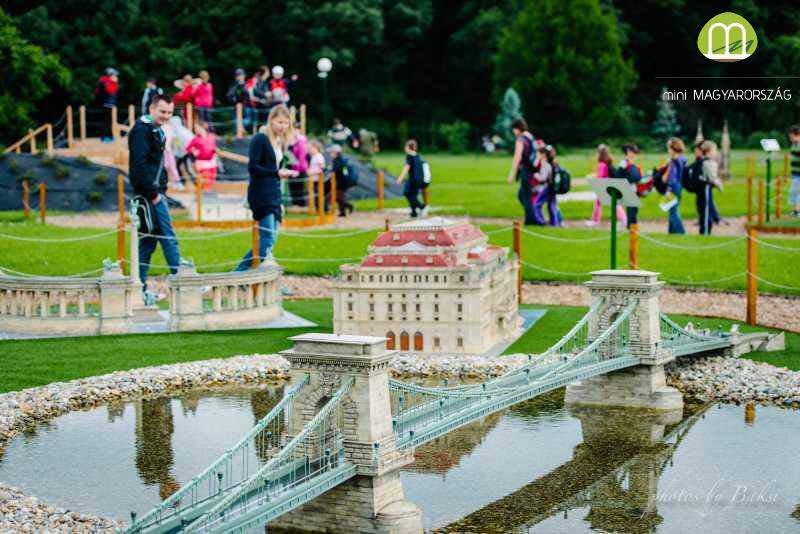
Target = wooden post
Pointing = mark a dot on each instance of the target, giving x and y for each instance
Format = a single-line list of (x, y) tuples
[(426, 199), (121, 196), (239, 125), (321, 197), (256, 253), (311, 201), (26, 198), (292, 115), (82, 122), (189, 117), (121, 242), (333, 193), (761, 202), (70, 132), (303, 119), (518, 252), (749, 194), (380, 190), (114, 122), (43, 202), (778, 197), (49, 139), (752, 272), (33, 141), (633, 249), (198, 192), (131, 115)]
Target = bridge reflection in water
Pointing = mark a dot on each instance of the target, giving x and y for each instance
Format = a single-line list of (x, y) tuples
[(614, 472)]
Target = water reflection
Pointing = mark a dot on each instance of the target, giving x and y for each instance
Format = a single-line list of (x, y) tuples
[(153, 444)]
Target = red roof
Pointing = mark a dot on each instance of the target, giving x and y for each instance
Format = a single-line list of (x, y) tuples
[(488, 253), (446, 237), (411, 260)]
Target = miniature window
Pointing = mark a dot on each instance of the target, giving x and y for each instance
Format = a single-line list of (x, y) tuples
[(371, 278), (417, 307), (435, 308), (389, 306), (349, 306), (460, 342), (371, 307), (460, 308), (461, 278), (436, 342)]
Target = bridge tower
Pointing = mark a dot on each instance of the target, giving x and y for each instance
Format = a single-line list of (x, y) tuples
[(642, 386), (373, 501)]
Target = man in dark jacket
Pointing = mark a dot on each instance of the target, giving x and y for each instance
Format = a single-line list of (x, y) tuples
[(149, 179), (633, 173), (344, 179)]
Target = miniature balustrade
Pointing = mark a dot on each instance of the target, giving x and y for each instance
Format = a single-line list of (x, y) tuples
[(224, 300)]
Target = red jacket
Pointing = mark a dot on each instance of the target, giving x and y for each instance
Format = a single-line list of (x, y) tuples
[(106, 90), (184, 96)]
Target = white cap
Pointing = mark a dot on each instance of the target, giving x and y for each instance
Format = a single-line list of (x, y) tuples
[(277, 70)]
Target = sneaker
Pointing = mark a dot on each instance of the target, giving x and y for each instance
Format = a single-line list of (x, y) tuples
[(424, 211), (149, 299), (413, 214)]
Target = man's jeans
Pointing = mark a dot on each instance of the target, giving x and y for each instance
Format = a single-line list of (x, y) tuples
[(267, 237), (162, 233), (524, 196)]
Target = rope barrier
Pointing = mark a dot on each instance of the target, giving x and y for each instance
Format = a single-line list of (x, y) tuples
[(497, 230), (29, 275), (774, 284), (59, 240), (552, 271), (703, 282), (686, 247), (566, 239), (777, 247)]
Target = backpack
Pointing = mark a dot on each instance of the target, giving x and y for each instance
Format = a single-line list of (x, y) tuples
[(658, 180), (350, 177), (560, 180), (690, 178), (426, 172)]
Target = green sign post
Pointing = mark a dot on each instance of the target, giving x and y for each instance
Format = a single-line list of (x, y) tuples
[(612, 191), (769, 146)]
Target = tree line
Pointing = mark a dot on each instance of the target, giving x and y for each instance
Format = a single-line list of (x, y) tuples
[(584, 69)]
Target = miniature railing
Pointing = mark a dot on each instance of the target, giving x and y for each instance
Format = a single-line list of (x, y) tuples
[(683, 341), (224, 300), (234, 467), (316, 453)]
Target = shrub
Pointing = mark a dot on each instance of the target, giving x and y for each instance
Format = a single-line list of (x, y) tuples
[(13, 166), (101, 179), (94, 196), (48, 161), (62, 172), (83, 161), (456, 134)]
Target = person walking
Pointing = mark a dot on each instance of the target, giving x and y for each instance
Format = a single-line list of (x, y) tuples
[(106, 93), (345, 179), (266, 153), (794, 152), (204, 149), (413, 169), (300, 160), (543, 190), (709, 179), (672, 176), (150, 91), (605, 169), (633, 173), (238, 94), (146, 142), (203, 96), (522, 168), (341, 135)]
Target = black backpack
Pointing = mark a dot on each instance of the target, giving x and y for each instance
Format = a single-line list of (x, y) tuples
[(560, 180), (691, 177)]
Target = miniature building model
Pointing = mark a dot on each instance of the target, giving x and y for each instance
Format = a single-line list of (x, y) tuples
[(430, 286)]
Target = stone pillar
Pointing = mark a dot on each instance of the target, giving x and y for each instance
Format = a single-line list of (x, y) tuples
[(373, 501), (186, 300), (115, 300), (643, 386)]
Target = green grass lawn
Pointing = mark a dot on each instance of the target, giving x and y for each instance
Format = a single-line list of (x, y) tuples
[(476, 185), (31, 363), (549, 253)]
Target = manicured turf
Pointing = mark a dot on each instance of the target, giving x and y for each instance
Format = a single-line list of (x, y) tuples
[(551, 254), (476, 185), (32, 363)]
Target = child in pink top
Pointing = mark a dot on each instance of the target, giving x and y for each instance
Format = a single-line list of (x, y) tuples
[(604, 166), (204, 148), (203, 96)]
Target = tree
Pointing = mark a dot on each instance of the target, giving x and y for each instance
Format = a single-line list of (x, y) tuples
[(510, 110), (29, 74), (666, 124), (564, 58)]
